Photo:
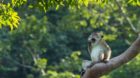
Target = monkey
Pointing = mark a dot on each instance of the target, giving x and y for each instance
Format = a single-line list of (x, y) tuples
[(98, 49)]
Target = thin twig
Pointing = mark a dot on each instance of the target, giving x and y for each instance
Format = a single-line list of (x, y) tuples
[(126, 17), (19, 64)]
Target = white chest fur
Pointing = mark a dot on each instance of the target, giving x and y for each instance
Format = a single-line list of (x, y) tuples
[(95, 53)]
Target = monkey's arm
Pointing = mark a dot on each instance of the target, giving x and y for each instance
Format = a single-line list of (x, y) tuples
[(107, 55)]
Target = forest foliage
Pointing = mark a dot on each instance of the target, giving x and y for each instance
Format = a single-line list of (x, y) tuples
[(48, 38)]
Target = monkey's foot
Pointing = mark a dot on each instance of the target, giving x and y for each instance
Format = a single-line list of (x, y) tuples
[(105, 61)]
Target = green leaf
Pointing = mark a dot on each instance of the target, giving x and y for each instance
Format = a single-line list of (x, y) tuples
[(8, 16), (41, 63)]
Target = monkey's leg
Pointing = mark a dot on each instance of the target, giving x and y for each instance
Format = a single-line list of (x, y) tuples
[(106, 56), (101, 56), (100, 59)]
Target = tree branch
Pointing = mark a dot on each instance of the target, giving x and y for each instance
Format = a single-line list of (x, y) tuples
[(126, 17), (100, 69)]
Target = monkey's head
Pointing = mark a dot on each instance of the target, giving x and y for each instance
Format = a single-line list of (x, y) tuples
[(95, 38)]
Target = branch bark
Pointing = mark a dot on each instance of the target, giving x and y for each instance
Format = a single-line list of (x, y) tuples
[(101, 69)]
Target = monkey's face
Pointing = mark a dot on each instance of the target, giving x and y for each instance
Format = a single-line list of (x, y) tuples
[(94, 38)]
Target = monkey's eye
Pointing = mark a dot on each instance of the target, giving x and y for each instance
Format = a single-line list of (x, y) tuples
[(93, 40)]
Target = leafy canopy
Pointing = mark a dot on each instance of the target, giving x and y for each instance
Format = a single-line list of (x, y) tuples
[(9, 17)]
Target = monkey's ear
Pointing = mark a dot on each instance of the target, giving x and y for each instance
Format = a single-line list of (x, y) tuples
[(102, 36)]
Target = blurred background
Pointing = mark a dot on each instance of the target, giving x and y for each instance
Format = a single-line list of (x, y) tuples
[(48, 38)]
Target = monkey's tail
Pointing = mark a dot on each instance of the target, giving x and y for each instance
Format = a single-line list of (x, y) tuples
[(82, 73)]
